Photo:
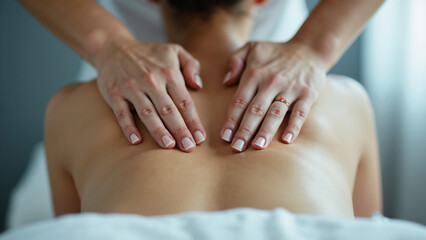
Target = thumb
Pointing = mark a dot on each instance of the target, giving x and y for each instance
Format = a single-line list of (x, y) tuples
[(190, 69), (236, 65)]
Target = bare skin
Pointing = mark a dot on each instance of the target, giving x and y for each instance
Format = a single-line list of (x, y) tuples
[(108, 45), (333, 168)]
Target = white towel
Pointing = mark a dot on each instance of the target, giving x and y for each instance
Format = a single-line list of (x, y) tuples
[(238, 223)]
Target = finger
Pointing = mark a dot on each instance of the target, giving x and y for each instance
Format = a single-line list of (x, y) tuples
[(190, 69), (238, 106), (236, 65), (251, 121), (298, 116), (171, 117), (149, 117), (125, 119), (186, 107), (273, 119)]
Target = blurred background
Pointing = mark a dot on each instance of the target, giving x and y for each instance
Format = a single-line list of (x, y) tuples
[(389, 59)]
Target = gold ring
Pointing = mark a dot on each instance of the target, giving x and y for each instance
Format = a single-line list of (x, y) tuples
[(283, 100)]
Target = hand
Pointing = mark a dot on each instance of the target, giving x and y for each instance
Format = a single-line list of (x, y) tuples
[(266, 71), (148, 76)]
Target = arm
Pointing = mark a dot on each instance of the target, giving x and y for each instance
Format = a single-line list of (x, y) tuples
[(367, 192), (149, 76), (64, 194), (333, 25), (84, 25), (295, 70)]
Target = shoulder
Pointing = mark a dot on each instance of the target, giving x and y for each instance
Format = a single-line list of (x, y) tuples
[(354, 108), (69, 101), (345, 111), (347, 85), (65, 109), (351, 92), (68, 95)]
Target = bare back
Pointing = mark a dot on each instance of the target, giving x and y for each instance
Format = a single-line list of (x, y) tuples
[(94, 168)]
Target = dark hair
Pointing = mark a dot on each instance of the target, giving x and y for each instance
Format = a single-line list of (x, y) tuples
[(202, 7)]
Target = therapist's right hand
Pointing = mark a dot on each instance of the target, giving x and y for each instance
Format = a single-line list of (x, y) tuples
[(152, 77)]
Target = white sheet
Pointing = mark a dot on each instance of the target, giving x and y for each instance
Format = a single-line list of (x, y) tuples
[(238, 223), (30, 200)]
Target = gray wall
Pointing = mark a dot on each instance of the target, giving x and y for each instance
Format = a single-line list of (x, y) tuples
[(33, 65)]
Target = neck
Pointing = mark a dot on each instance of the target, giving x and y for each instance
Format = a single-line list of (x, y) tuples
[(217, 37), (212, 41)]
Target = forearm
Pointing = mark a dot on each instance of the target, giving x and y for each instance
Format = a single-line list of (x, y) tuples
[(84, 25), (333, 25)]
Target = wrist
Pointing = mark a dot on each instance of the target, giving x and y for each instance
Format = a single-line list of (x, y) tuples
[(324, 47), (101, 45)]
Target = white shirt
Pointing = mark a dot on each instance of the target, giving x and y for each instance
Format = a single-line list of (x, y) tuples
[(276, 20)]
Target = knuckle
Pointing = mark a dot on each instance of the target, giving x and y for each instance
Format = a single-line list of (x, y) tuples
[(113, 91), (275, 79), (121, 115), (150, 77), (159, 131), (174, 46), (192, 124), (130, 84), (244, 131), (276, 113), (170, 72), (256, 110), (232, 120), (147, 112), (185, 105), (127, 128), (239, 103), (167, 110), (266, 131), (255, 72), (294, 128), (180, 130), (301, 113), (308, 92), (174, 81)]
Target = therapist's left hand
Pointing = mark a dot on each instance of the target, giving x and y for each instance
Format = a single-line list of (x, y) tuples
[(267, 71)]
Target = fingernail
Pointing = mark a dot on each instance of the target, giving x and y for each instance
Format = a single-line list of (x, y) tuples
[(199, 137), (198, 81), (239, 144), (260, 141), (187, 143), (134, 138), (167, 141), (227, 76), (227, 134), (288, 137)]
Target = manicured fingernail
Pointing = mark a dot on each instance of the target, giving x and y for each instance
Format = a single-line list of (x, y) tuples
[(167, 141), (260, 141), (187, 143), (199, 137), (288, 137), (198, 81), (227, 77), (134, 138), (227, 134), (239, 144)]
